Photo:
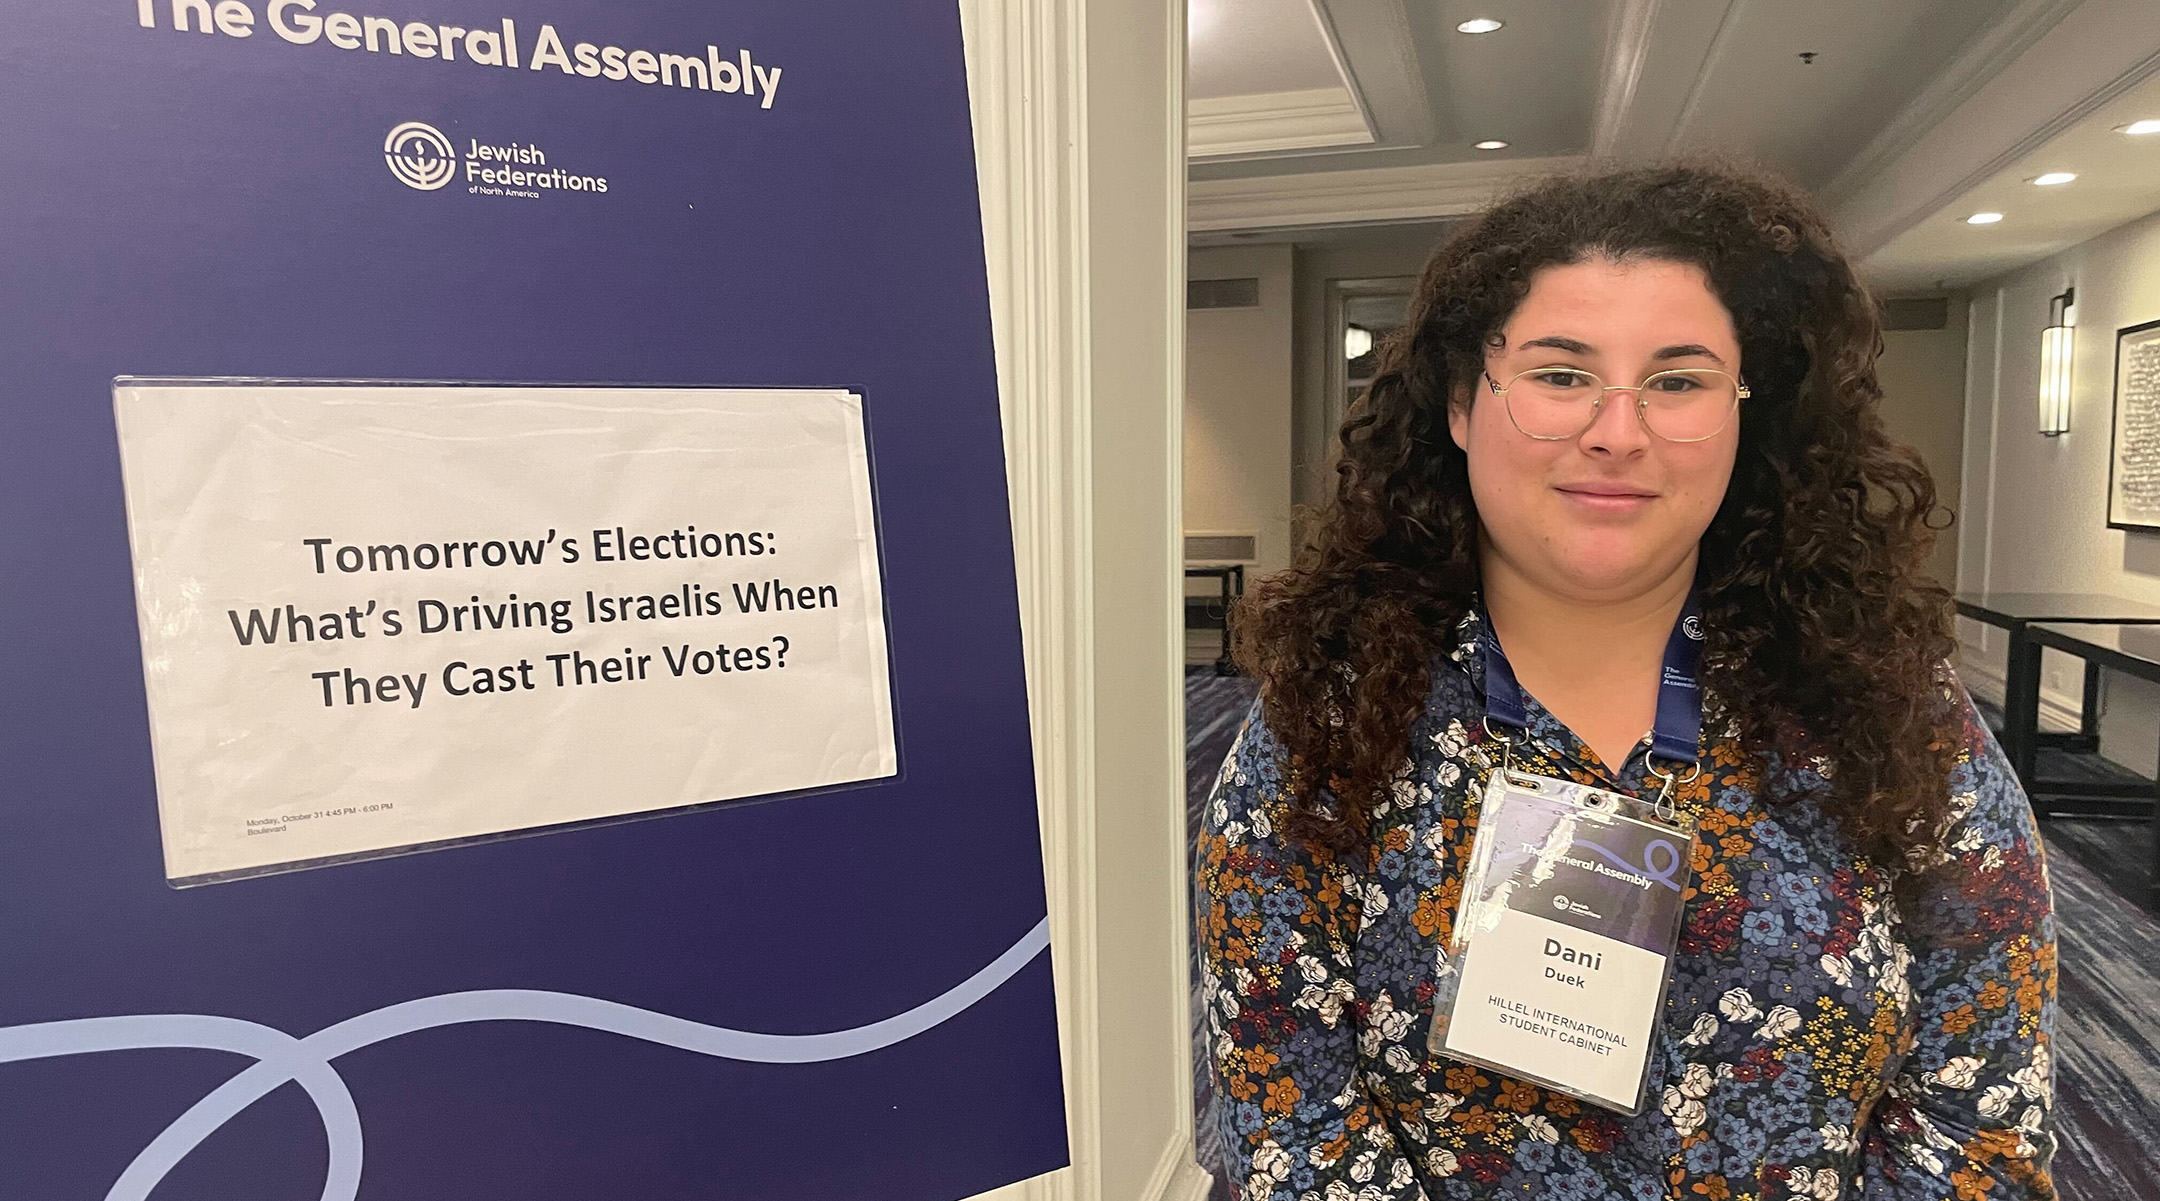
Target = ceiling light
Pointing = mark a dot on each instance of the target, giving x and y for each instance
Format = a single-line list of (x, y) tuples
[(1203, 18), (1491, 144), (1983, 219), (2140, 128), (1479, 25), (2053, 178)]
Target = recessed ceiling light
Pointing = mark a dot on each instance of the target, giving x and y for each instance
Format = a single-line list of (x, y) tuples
[(2141, 128), (1491, 144), (1479, 25), (2053, 178), (1983, 219)]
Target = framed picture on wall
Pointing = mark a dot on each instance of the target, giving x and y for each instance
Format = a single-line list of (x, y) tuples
[(2134, 465)]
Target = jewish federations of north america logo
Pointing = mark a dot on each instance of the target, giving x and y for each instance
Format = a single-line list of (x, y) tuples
[(420, 156)]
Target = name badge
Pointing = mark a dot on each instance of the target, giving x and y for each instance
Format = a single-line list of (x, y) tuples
[(1564, 938)]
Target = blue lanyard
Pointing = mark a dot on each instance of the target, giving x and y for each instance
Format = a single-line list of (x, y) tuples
[(1677, 736)]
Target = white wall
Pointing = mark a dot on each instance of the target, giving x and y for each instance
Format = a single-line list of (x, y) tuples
[(2036, 507), (1923, 380), (1237, 405)]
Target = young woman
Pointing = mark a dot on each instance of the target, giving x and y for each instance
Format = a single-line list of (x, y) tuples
[(1617, 396)]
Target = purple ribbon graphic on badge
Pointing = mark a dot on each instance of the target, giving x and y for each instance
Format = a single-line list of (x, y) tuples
[(1662, 869), (1662, 859)]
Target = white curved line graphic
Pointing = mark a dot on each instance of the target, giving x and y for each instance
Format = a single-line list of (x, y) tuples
[(196, 1032), (280, 1057)]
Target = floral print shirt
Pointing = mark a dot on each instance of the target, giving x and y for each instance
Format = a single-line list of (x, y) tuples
[(1819, 1042)]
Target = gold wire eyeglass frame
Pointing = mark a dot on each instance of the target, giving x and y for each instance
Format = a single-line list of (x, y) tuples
[(1642, 400)]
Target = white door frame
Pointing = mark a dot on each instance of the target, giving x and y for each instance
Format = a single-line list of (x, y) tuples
[(1080, 150)]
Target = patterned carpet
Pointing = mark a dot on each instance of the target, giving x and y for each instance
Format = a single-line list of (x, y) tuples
[(2107, 1043)]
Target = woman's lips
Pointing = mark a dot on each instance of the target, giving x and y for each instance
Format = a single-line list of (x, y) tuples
[(1607, 497)]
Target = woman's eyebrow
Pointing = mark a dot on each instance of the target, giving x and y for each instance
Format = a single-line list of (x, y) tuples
[(1684, 350), (1569, 345)]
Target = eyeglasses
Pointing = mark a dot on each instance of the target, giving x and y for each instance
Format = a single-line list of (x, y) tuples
[(1556, 404)]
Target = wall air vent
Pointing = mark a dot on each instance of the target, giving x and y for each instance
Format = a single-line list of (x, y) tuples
[(1222, 293), (1927, 312)]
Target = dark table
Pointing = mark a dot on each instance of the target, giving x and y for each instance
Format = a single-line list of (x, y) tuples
[(2016, 612), (1232, 576), (2133, 650)]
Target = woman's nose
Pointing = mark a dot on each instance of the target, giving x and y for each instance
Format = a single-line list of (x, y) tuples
[(1618, 427)]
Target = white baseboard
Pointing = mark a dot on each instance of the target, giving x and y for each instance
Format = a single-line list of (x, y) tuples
[(2058, 711), (1191, 1185), (1177, 1177)]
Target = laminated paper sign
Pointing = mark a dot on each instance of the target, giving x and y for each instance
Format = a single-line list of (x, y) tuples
[(378, 617)]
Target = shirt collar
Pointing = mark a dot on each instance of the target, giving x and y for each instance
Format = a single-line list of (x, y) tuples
[(1546, 733), (1467, 651)]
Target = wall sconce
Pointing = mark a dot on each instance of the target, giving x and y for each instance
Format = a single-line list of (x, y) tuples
[(2055, 345)]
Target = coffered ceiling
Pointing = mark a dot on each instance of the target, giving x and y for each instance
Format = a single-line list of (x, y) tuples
[(1904, 115)]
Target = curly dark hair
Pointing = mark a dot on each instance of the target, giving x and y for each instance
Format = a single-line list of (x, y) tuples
[(1826, 641)]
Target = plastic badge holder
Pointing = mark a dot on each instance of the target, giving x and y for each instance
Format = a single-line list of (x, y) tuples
[(1563, 943)]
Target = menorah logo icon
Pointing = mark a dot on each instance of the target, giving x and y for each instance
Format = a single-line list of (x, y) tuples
[(420, 156)]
